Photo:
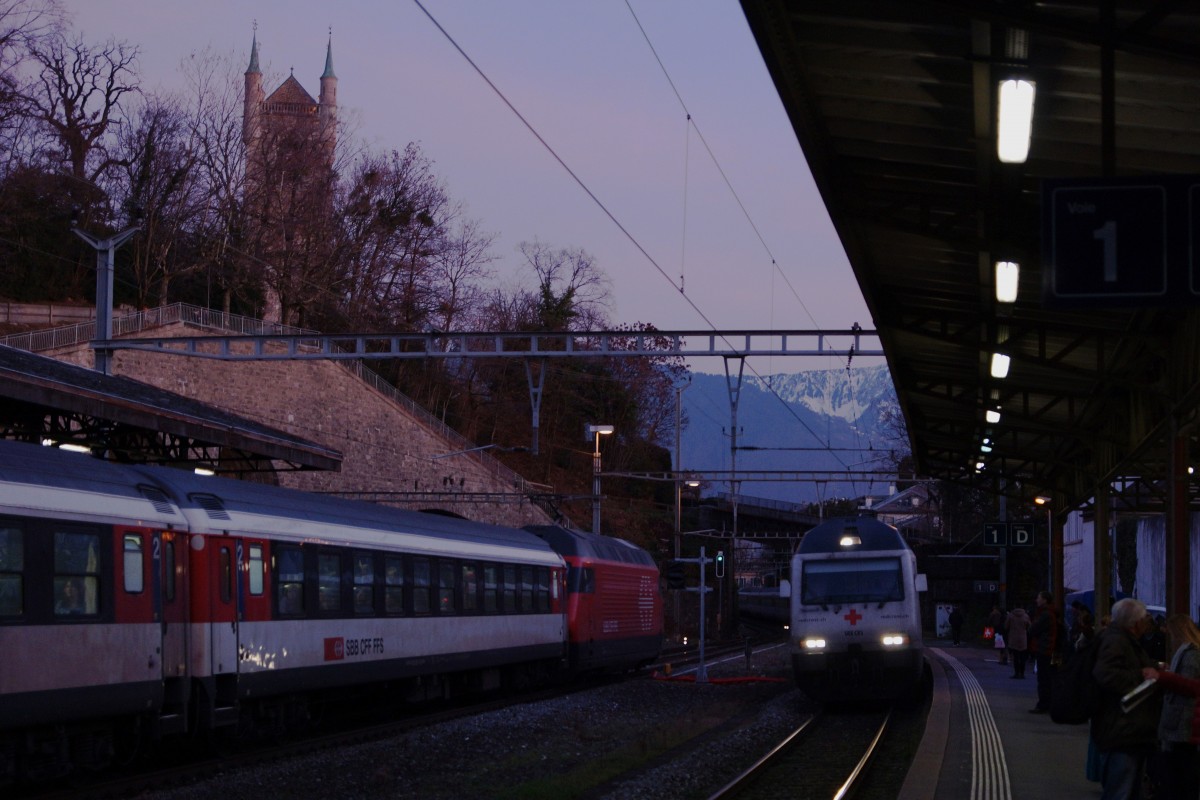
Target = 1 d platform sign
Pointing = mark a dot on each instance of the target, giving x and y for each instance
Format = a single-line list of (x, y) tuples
[(1008, 534)]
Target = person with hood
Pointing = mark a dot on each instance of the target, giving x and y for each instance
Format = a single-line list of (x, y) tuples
[(1016, 634)]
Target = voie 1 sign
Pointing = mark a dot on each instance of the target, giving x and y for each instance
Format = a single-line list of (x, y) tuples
[(1121, 241)]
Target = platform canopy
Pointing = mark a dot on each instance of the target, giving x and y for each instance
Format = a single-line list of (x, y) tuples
[(121, 419), (894, 105)]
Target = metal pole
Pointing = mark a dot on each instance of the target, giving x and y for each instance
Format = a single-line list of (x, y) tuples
[(596, 486), (105, 251), (702, 670)]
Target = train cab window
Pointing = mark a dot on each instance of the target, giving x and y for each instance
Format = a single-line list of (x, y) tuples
[(446, 588), (420, 586), (470, 589), (76, 574), (491, 597), (581, 580), (226, 575), (863, 580), (134, 563), (364, 583), (255, 567), (289, 580), (510, 588), (12, 572), (329, 582), (541, 588), (393, 585)]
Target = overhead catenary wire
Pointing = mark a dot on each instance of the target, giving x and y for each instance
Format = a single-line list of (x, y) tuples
[(600, 204)]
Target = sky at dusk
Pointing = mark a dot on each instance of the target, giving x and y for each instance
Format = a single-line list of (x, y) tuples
[(586, 79)]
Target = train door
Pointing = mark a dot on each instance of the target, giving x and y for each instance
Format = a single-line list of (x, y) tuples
[(224, 591), (170, 576), (224, 594)]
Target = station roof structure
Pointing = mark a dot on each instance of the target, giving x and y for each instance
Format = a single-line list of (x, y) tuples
[(895, 108), (42, 398)]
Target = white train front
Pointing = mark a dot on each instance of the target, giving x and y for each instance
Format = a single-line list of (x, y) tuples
[(856, 612)]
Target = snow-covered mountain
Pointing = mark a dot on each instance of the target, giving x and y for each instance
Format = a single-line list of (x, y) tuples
[(819, 420)]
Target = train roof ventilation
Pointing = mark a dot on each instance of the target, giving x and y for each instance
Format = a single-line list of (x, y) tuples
[(212, 504), (158, 498)]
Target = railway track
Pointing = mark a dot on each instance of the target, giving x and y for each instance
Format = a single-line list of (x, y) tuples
[(828, 756)]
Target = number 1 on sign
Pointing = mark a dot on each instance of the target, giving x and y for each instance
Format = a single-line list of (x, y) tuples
[(1107, 233)]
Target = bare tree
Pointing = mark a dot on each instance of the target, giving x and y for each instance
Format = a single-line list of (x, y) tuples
[(23, 25), (76, 95), (158, 175), (573, 292)]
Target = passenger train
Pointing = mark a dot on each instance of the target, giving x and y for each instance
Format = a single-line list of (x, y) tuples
[(855, 612), (139, 602)]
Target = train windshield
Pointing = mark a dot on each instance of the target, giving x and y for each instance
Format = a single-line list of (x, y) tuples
[(863, 580)]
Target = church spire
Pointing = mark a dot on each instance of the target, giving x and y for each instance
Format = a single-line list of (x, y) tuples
[(253, 68), (328, 73)]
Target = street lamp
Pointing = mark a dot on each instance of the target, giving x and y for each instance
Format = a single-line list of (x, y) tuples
[(104, 288), (595, 432), (1043, 500)]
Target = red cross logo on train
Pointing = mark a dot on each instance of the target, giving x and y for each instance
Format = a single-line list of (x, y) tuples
[(853, 617)]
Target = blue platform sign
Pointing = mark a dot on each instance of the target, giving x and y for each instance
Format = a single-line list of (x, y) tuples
[(1121, 241)]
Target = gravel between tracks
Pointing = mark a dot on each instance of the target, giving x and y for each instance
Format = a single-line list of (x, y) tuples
[(641, 738)]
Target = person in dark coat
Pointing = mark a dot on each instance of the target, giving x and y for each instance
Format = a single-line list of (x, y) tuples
[(1125, 737), (956, 623), (1043, 645)]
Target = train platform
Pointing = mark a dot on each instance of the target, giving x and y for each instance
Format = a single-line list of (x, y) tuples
[(982, 742)]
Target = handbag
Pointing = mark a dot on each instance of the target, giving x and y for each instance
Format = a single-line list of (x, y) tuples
[(989, 632), (999, 641)]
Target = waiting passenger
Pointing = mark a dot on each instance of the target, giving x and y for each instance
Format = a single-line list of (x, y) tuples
[(70, 598)]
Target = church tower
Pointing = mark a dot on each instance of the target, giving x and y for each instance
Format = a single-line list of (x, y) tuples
[(290, 141)]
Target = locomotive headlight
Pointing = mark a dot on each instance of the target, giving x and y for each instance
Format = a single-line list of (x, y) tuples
[(894, 640), (814, 643)]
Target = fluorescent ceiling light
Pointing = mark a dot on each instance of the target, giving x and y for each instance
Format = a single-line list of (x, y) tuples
[(1000, 365), (1007, 273), (1014, 120)]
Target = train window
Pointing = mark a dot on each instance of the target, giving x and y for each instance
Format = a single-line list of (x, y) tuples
[(510, 588), (420, 585), (134, 563), (490, 589), (393, 585), (77, 573), (470, 588), (364, 583), (12, 572), (256, 568), (446, 588), (329, 582), (289, 579), (542, 588), (168, 568), (861, 580), (527, 588), (226, 575)]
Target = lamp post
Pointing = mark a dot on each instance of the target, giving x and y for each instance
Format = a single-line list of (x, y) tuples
[(104, 288), (595, 432), (1042, 500)]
